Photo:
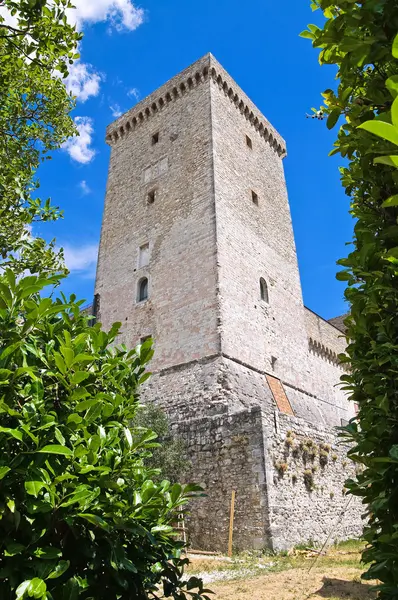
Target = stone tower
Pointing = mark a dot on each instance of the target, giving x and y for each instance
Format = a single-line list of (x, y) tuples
[(197, 251)]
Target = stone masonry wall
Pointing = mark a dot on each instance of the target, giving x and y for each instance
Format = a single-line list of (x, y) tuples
[(306, 467), (227, 454), (255, 240), (181, 312), (216, 395)]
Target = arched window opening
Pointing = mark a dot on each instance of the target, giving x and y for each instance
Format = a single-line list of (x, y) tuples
[(143, 290), (264, 290)]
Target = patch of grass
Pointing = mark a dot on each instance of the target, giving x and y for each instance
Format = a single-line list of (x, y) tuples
[(248, 565)]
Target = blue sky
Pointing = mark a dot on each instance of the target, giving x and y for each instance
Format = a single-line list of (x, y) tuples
[(129, 50)]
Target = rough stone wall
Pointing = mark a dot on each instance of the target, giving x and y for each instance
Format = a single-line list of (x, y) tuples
[(254, 240), (227, 454), (181, 312), (300, 511)]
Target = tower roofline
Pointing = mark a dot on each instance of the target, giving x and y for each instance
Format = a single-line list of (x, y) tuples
[(181, 84)]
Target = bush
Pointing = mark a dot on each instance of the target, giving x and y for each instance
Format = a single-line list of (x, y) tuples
[(80, 516), (170, 457)]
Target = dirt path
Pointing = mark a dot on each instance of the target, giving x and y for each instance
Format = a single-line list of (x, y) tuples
[(337, 583)]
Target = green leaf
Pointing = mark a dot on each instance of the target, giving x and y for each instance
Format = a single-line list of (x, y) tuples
[(78, 377), (333, 118), (5, 374), (128, 436), (59, 437), (13, 548), (395, 47), (59, 361), (81, 496), (394, 452), (391, 161), (95, 520), (21, 589), (307, 34), (4, 471), (381, 129), (37, 588), (391, 201), (394, 114), (33, 487), (162, 529), (93, 412), (85, 404), (343, 276), (393, 252), (47, 553), (12, 432), (55, 449), (59, 570), (175, 492), (392, 85)]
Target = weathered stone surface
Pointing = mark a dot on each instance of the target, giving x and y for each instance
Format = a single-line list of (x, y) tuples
[(196, 172)]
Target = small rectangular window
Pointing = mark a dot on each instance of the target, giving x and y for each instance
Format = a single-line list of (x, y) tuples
[(151, 197), (249, 142), (254, 197), (155, 138), (143, 256)]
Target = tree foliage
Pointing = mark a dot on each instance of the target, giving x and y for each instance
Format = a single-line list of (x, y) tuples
[(80, 514), (170, 456), (361, 39), (36, 47)]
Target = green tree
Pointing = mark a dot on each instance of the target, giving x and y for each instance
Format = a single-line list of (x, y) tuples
[(35, 52), (80, 514), (170, 457), (360, 39)]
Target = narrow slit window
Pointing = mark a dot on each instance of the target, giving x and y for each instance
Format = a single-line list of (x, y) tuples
[(249, 142), (143, 256), (143, 290), (264, 290), (255, 198), (155, 138), (151, 197)]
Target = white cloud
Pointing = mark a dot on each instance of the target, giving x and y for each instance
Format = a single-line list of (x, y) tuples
[(83, 81), (78, 147), (84, 188), (122, 14), (81, 259), (115, 110), (134, 93)]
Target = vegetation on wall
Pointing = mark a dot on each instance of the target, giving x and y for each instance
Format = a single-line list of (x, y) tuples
[(360, 38)]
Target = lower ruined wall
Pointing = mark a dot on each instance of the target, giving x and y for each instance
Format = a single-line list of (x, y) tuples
[(237, 439), (306, 467), (227, 454)]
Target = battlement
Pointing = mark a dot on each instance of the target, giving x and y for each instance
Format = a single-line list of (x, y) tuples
[(205, 69)]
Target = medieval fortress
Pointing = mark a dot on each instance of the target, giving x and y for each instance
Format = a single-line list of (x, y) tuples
[(197, 251)]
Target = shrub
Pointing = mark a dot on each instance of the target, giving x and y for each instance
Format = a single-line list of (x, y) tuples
[(80, 516), (281, 467), (170, 456), (323, 458), (309, 480)]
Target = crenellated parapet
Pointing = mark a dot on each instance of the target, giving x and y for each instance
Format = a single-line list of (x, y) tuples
[(206, 69), (323, 352)]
